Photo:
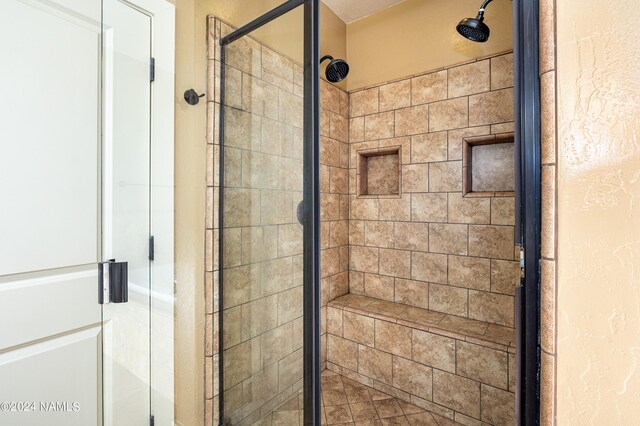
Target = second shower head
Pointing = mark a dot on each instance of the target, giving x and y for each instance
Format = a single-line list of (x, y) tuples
[(337, 70), (475, 29)]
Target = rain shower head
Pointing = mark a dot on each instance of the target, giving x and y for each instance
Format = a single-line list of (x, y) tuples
[(337, 70), (475, 29)]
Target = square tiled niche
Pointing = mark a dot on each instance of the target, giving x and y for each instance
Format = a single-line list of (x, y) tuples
[(488, 165), (378, 172)]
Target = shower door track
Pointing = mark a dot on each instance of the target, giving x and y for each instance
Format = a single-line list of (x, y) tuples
[(311, 201), (528, 203)]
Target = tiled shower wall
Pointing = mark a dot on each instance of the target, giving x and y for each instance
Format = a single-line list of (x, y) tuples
[(263, 181), (263, 241), (431, 246), (334, 199)]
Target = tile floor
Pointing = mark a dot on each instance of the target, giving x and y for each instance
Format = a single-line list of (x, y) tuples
[(346, 402)]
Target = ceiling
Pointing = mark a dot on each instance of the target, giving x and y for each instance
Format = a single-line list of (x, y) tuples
[(351, 10)]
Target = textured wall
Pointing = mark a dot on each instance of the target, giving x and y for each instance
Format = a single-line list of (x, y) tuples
[(431, 247), (598, 57), (190, 160)]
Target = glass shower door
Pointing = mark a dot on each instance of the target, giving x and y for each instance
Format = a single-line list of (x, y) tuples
[(267, 279), (126, 212)]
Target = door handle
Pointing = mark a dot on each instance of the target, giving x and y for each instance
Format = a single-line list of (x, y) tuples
[(113, 282), (301, 213)]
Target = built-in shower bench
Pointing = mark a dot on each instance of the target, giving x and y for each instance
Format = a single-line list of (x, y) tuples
[(456, 367)]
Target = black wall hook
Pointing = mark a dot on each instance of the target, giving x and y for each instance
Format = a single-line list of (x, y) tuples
[(192, 97)]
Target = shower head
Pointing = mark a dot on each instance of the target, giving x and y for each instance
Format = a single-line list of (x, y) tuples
[(475, 29), (337, 70)]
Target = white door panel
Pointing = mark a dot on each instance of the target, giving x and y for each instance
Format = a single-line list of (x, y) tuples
[(50, 304), (59, 370), (88, 10), (75, 185), (50, 321), (50, 137)]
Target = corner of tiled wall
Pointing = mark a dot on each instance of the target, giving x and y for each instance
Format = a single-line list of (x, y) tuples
[(334, 199), (211, 225), (549, 212)]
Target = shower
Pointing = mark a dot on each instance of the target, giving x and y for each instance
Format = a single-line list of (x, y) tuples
[(337, 70), (475, 29)]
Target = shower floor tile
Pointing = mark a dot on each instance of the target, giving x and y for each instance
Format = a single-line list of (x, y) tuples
[(346, 402)]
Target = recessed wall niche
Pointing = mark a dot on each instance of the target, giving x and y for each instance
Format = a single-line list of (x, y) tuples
[(378, 172), (488, 165)]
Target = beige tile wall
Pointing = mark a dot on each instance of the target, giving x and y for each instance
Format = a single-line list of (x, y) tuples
[(263, 240), (334, 198), (549, 212), (432, 247)]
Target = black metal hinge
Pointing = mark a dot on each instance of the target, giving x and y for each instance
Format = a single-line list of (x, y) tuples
[(152, 421), (113, 282), (152, 70), (152, 248)]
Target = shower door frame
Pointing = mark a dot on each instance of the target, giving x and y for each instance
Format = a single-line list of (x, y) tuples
[(528, 204), (311, 198)]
